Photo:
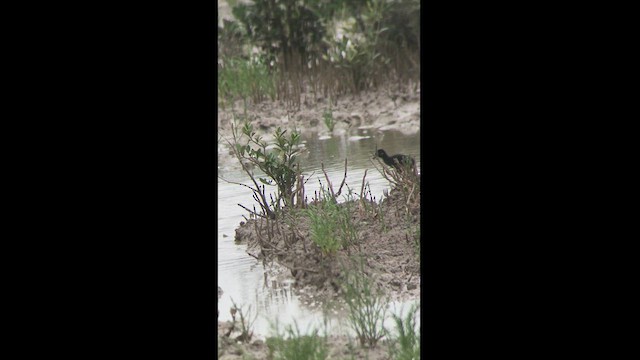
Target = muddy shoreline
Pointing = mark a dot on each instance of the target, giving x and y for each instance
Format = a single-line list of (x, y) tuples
[(387, 246), (376, 111)]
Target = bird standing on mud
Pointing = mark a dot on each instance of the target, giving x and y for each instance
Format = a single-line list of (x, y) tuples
[(398, 161)]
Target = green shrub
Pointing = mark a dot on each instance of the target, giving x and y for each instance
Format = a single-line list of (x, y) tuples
[(282, 27), (279, 164), (338, 47)]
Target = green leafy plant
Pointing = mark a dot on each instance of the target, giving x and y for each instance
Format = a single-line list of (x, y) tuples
[(355, 50), (279, 164)]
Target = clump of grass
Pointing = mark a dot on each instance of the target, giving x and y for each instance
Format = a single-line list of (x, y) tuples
[(324, 225), (292, 345), (367, 307), (328, 119), (331, 227), (322, 231), (407, 345), (246, 79)]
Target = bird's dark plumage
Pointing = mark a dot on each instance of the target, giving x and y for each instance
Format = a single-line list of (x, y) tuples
[(398, 161)]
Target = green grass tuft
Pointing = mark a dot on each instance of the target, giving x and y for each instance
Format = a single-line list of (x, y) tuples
[(292, 345), (407, 345), (245, 79)]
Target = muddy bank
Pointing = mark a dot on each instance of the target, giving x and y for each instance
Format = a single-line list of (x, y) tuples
[(375, 111), (386, 251)]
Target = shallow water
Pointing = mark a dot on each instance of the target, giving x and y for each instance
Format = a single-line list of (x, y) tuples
[(242, 277)]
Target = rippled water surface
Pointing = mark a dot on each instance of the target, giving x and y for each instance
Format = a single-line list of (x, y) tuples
[(242, 277)]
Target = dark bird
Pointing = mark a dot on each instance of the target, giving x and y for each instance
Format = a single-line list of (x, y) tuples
[(398, 161)]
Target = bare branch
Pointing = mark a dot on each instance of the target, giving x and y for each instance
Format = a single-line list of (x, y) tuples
[(328, 181), (252, 212), (344, 178)]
